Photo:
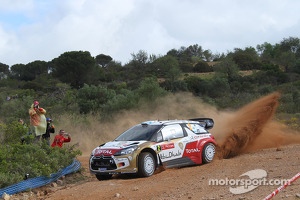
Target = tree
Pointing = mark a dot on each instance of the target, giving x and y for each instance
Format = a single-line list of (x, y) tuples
[(289, 52), (227, 68), (168, 67), (202, 67), (4, 70), (30, 71), (112, 72), (140, 58), (287, 60), (218, 56), (291, 44), (135, 69), (37, 68), (196, 85), (181, 54), (296, 68), (194, 51), (186, 66), (207, 54), (18, 71), (103, 60), (265, 52), (75, 68), (93, 98), (149, 89), (246, 59)]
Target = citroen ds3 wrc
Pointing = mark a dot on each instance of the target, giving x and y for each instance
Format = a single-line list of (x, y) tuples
[(148, 145)]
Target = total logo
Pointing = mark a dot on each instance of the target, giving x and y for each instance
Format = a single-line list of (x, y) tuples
[(103, 151), (196, 150)]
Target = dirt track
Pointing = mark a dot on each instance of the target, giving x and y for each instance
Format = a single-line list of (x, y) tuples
[(193, 182), (249, 137)]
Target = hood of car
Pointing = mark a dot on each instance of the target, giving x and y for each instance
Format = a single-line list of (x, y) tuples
[(110, 148)]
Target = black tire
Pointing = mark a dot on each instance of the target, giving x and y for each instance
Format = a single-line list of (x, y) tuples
[(146, 164), (208, 152), (102, 177)]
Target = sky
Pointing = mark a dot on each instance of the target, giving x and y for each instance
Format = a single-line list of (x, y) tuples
[(33, 30)]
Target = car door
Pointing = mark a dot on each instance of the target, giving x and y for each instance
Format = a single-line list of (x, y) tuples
[(171, 149)]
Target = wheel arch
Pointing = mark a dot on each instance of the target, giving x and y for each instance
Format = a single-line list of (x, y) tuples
[(202, 143), (205, 141), (149, 150)]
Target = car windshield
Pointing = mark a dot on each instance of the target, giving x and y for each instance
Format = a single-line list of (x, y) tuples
[(138, 133)]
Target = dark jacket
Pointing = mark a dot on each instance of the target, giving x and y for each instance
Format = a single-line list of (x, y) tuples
[(50, 129)]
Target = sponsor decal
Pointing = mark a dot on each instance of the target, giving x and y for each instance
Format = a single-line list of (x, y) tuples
[(103, 152), (189, 126), (191, 148), (171, 154), (196, 137), (180, 145), (165, 146), (196, 150), (158, 148)]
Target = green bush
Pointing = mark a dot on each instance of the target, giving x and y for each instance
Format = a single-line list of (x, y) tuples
[(149, 89), (125, 100), (91, 98), (16, 160), (13, 132)]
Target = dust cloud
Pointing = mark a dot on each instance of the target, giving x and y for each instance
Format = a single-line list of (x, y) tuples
[(250, 128)]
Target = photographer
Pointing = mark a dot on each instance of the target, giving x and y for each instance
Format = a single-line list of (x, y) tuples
[(37, 120), (50, 129), (61, 138)]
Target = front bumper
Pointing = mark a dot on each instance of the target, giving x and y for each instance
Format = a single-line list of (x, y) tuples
[(112, 165)]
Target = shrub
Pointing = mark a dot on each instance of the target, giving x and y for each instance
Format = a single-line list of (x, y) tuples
[(13, 132), (16, 160)]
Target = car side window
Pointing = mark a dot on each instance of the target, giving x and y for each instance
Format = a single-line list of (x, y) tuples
[(158, 137), (196, 128), (172, 132)]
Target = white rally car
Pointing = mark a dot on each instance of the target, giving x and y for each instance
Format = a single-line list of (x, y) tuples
[(146, 146)]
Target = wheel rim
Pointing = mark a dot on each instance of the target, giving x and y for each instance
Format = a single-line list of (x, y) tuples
[(149, 165), (210, 152)]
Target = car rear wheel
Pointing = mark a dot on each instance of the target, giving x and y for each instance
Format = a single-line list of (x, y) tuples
[(146, 164), (102, 177), (208, 152)]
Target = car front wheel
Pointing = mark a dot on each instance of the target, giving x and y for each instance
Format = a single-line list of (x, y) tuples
[(146, 164), (208, 152)]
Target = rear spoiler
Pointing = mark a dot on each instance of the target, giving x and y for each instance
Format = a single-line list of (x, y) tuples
[(207, 123)]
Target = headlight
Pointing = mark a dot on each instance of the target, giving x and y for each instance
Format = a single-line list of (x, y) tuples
[(126, 151)]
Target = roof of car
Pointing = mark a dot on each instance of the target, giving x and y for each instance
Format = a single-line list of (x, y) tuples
[(175, 121), (207, 123)]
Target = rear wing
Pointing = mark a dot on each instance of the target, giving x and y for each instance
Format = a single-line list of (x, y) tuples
[(207, 123)]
